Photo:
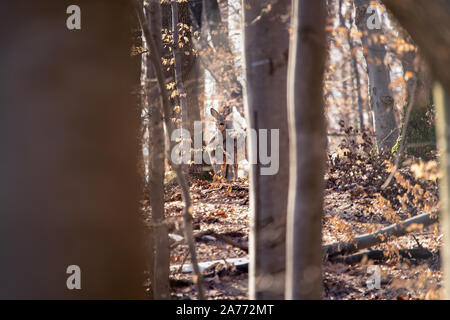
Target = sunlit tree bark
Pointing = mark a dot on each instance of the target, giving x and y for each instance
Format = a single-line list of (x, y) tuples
[(442, 102), (381, 98), (160, 281), (266, 42), (307, 150)]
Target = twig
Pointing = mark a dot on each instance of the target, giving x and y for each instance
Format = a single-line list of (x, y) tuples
[(417, 241), (182, 262)]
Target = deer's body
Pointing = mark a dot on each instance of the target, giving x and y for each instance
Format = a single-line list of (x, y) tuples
[(228, 146)]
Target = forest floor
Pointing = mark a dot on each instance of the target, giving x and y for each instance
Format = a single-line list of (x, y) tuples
[(354, 204)]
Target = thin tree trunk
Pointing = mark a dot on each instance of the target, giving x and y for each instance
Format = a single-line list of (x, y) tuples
[(307, 150), (192, 73), (216, 57), (216, 24), (224, 13), (195, 89), (221, 51), (419, 88), (147, 93), (188, 209), (442, 102), (357, 87), (266, 43), (177, 56), (357, 78), (160, 281), (193, 79), (381, 98), (228, 81)]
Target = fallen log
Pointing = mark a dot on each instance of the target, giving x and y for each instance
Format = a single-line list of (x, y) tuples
[(240, 263), (380, 255), (348, 247), (370, 239), (216, 235), (229, 241)]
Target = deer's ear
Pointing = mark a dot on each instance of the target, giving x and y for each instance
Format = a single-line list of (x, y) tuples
[(214, 113)]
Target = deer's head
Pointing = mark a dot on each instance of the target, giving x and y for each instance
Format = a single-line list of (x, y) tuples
[(220, 119)]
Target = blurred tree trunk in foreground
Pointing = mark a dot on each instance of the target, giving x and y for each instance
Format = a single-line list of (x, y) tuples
[(307, 150), (442, 102), (266, 43), (69, 183), (428, 23)]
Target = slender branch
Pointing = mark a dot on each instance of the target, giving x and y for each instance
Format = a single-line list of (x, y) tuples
[(155, 57), (402, 137)]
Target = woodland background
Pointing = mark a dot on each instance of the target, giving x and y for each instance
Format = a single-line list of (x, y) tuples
[(358, 90)]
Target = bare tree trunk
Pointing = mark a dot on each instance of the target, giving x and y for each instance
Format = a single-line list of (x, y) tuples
[(185, 68), (381, 99), (146, 98), (357, 87), (188, 208), (428, 23), (307, 150), (266, 42), (442, 102), (177, 65), (223, 65), (420, 130), (195, 89), (193, 79), (216, 25), (224, 13), (355, 73), (69, 185), (160, 281)]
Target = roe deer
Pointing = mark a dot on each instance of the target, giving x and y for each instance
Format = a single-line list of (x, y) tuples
[(229, 146)]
